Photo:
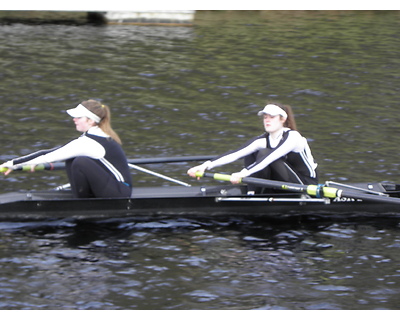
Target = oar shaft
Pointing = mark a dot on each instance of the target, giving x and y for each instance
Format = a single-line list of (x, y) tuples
[(169, 159), (259, 182), (61, 165), (312, 190), (158, 175)]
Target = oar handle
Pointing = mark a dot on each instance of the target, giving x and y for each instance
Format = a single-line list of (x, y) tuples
[(216, 176), (45, 166)]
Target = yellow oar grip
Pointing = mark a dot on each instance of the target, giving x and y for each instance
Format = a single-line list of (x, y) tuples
[(199, 174), (216, 176), (26, 168), (222, 177)]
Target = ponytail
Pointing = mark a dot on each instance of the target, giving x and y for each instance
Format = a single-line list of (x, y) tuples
[(103, 111)]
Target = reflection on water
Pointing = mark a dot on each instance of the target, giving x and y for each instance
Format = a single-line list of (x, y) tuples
[(196, 90), (201, 264)]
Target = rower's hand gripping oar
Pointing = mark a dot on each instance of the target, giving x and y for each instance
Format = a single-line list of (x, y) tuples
[(318, 191)]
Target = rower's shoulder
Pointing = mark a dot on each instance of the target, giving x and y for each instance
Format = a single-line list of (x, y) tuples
[(291, 132)]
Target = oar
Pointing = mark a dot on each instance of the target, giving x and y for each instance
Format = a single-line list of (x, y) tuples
[(65, 186), (170, 159), (44, 166), (61, 165), (158, 175), (312, 190)]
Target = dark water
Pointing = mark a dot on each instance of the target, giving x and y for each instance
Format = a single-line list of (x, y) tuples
[(178, 91)]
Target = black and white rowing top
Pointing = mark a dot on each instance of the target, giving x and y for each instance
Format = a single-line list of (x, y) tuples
[(95, 144), (289, 144)]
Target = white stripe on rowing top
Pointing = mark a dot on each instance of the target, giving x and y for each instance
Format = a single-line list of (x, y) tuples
[(113, 170)]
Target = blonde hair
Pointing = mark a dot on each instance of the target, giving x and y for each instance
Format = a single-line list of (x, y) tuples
[(104, 113)]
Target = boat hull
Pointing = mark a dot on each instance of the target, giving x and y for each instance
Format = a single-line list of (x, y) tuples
[(184, 201)]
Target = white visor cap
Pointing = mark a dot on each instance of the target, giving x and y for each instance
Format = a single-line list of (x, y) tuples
[(273, 110), (81, 111)]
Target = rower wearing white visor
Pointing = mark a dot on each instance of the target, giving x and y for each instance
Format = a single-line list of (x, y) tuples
[(281, 153), (95, 162)]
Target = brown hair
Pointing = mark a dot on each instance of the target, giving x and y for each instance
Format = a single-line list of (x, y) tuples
[(104, 113), (290, 121)]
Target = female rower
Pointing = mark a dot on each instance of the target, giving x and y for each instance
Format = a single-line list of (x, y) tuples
[(281, 153), (96, 165)]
